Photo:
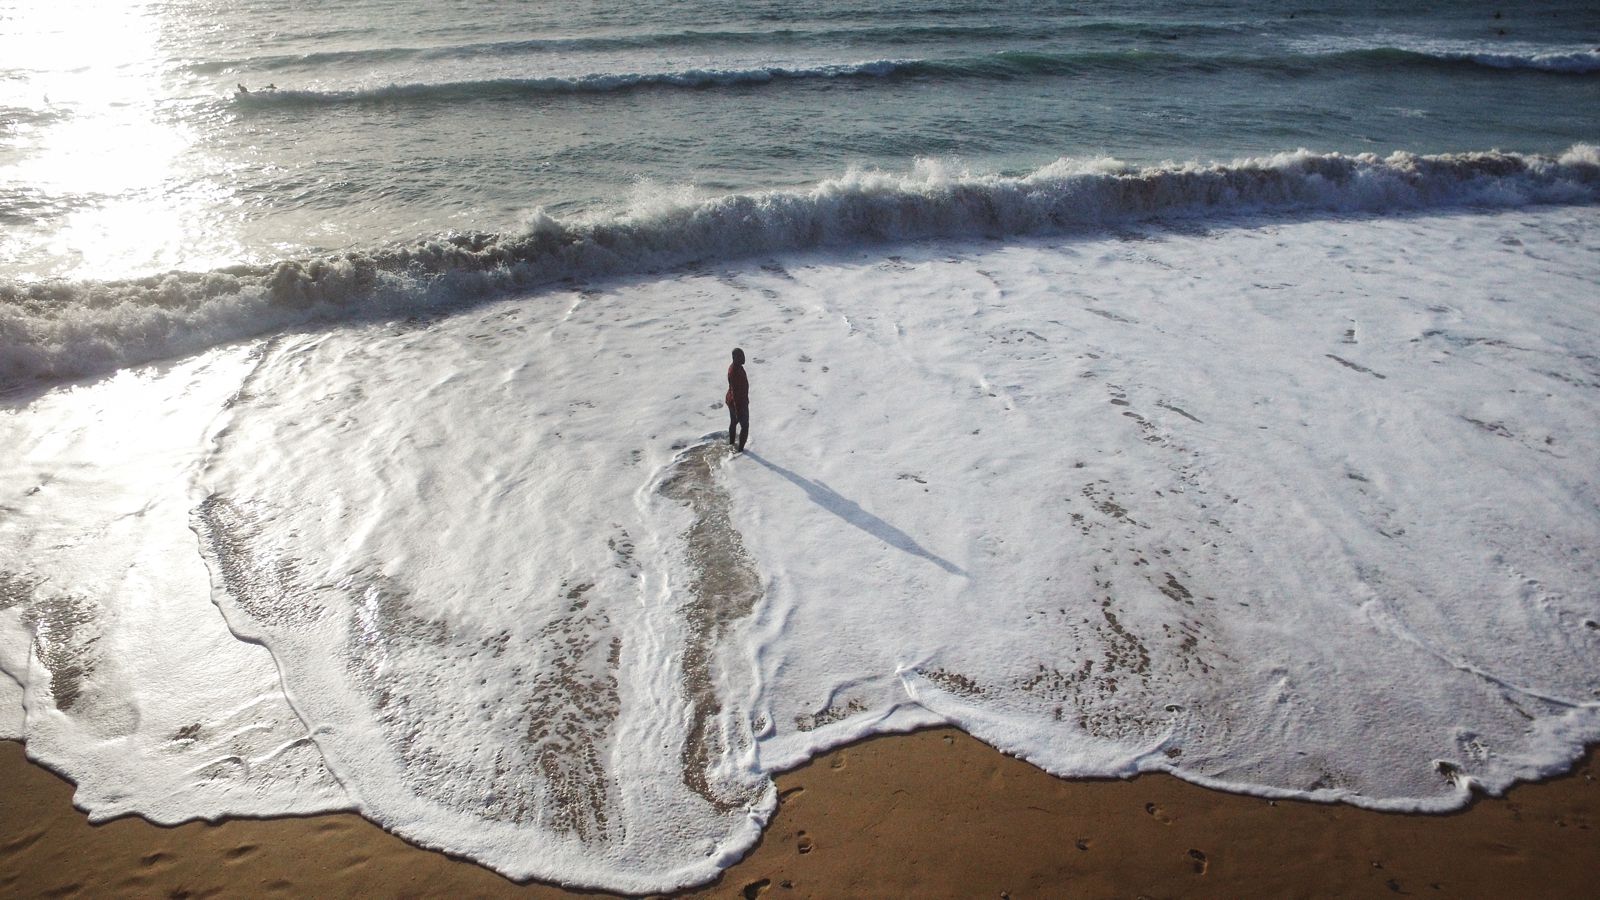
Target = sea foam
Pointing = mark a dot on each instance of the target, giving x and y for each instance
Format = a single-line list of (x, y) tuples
[(1297, 508), (67, 328)]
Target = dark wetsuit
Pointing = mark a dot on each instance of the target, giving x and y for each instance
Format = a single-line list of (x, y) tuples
[(738, 405)]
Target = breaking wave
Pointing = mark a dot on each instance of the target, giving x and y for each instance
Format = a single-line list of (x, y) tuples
[(1399, 50), (1581, 62), (60, 328)]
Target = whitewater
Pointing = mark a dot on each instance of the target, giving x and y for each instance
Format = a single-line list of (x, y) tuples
[(66, 327), (1295, 506)]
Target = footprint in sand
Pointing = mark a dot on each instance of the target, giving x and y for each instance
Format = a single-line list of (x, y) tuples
[(1200, 863), (756, 888), (240, 852), (1157, 813)]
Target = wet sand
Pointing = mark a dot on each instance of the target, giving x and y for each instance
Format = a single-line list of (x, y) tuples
[(931, 814)]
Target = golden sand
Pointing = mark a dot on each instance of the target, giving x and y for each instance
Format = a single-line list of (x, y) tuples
[(931, 814)]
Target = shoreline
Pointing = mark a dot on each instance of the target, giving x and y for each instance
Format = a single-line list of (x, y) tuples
[(930, 813)]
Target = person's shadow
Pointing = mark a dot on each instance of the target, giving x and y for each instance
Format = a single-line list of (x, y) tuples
[(851, 512)]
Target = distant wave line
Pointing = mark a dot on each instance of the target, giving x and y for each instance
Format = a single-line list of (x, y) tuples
[(1002, 65), (784, 38), (1563, 62), (591, 83)]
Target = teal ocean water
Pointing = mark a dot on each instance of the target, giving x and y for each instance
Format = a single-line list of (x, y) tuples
[(125, 148), (247, 146)]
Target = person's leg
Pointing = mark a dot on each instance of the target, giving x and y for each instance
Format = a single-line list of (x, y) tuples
[(733, 423), (744, 425)]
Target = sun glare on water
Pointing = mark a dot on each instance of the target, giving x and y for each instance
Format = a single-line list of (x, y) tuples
[(89, 143)]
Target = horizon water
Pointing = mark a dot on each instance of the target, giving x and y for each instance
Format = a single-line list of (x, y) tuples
[(1208, 388)]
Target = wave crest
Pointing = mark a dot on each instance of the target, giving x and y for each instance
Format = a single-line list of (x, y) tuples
[(577, 84), (71, 328), (1399, 50), (999, 65), (712, 40), (1577, 62)]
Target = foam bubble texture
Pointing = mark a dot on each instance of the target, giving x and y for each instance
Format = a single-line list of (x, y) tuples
[(10, 708), (1301, 509), (63, 328), (132, 684)]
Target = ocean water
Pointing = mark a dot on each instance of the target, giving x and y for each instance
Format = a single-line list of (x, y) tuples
[(1210, 388)]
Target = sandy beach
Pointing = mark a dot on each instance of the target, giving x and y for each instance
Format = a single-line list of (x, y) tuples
[(931, 814)]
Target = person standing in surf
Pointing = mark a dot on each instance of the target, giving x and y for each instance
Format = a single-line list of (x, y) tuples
[(738, 401)]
